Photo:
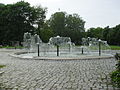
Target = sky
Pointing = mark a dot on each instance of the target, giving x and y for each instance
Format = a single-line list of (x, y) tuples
[(96, 13)]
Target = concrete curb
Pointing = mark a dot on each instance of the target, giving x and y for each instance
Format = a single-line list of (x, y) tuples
[(16, 55)]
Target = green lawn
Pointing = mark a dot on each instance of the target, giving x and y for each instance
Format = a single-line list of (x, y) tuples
[(1, 66), (10, 47), (115, 47)]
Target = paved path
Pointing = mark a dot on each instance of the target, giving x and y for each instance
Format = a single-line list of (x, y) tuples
[(55, 75)]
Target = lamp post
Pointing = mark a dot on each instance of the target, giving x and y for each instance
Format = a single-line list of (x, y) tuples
[(38, 49), (69, 43), (57, 44), (57, 50), (88, 41), (82, 49), (99, 41)]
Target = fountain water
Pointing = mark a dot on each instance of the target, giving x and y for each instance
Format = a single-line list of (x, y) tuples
[(62, 47), (61, 41), (27, 40), (94, 44)]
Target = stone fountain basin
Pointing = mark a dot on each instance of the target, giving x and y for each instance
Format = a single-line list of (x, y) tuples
[(63, 56)]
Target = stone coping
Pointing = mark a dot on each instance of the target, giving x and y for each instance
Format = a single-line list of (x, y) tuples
[(16, 55)]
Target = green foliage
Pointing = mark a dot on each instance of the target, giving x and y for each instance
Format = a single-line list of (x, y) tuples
[(18, 18), (57, 23), (74, 26), (111, 35), (115, 75), (118, 65), (95, 32), (67, 25), (46, 34)]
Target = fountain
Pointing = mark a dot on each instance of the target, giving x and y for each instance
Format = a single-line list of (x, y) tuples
[(27, 40), (62, 48), (96, 46), (60, 41)]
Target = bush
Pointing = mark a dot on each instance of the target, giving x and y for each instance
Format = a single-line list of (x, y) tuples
[(115, 77), (118, 65), (117, 56)]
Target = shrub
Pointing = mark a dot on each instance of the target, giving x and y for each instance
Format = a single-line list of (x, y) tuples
[(118, 65), (115, 77), (117, 56)]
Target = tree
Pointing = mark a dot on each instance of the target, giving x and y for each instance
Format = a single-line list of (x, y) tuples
[(105, 32), (2, 23), (67, 25), (111, 35), (19, 18), (95, 32), (74, 26), (46, 32), (39, 14), (57, 23), (116, 35)]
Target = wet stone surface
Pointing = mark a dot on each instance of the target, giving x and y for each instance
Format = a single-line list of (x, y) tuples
[(55, 75)]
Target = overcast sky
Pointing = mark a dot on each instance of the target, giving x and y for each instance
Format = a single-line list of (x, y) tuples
[(96, 13)]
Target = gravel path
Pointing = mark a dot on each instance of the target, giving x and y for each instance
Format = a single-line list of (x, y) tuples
[(55, 75)]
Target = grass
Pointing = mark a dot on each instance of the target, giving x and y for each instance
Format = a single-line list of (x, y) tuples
[(11, 47), (115, 47), (1, 66)]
